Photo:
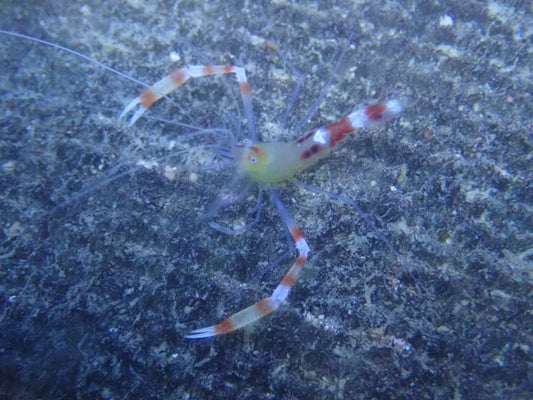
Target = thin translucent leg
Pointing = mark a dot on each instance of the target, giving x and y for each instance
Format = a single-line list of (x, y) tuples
[(347, 200), (324, 91), (257, 208), (295, 92)]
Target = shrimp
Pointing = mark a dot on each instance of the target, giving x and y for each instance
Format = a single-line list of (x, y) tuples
[(268, 164)]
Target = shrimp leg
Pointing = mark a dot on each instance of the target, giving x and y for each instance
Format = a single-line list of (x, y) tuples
[(177, 78), (280, 294)]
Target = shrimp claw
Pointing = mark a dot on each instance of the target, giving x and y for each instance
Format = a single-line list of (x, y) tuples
[(177, 78)]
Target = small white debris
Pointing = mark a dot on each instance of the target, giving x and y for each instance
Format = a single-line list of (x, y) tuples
[(9, 166), (14, 230), (171, 144), (393, 188), (171, 173), (193, 177), (174, 56), (400, 344), (449, 51), (256, 40), (147, 164), (11, 299), (394, 107), (85, 10), (445, 20)]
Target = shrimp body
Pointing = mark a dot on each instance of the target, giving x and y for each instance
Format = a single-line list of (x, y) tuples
[(278, 161), (270, 162)]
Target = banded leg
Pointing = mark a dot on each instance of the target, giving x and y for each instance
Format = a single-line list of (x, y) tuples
[(280, 294), (179, 77)]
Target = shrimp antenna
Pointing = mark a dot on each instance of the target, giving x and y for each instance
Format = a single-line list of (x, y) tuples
[(74, 52), (325, 89)]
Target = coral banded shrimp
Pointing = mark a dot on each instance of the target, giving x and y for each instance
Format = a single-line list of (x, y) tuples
[(263, 164), (268, 164)]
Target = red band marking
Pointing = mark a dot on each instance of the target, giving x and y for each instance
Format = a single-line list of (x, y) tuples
[(311, 151), (338, 131), (264, 307), (375, 112), (287, 281), (147, 98), (224, 327), (296, 234), (300, 261), (178, 77), (244, 87)]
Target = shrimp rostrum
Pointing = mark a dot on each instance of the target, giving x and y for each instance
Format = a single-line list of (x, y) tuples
[(268, 164)]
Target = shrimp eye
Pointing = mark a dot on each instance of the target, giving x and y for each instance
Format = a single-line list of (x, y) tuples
[(253, 160)]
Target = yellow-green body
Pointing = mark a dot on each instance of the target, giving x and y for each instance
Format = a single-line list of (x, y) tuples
[(276, 161)]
